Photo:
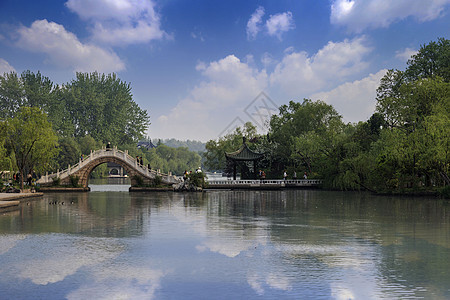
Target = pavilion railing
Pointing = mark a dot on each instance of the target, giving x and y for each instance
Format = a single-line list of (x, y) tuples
[(294, 182)]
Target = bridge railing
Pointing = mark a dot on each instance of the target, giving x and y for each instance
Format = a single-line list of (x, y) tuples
[(114, 152), (296, 182)]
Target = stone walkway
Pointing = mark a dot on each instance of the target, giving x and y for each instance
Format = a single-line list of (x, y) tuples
[(10, 201)]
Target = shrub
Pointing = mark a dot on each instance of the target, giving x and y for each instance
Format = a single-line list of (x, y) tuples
[(56, 181), (445, 192), (139, 180), (198, 179), (74, 180), (157, 181)]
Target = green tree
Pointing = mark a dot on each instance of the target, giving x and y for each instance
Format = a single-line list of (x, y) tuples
[(102, 106), (413, 150), (69, 152), (87, 143), (436, 155), (38, 90), (430, 61), (415, 117), (5, 161), (304, 134), (216, 149), (11, 94), (31, 140)]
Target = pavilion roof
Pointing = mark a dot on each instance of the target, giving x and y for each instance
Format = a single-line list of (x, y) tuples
[(244, 154)]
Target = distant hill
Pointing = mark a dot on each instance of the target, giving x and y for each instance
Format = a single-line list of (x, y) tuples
[(195, 146)]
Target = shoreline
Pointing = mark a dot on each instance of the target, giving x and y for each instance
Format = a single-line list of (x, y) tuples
[(10, 201), (64, 189)]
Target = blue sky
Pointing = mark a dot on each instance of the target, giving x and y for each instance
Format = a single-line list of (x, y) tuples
[(198, 66)]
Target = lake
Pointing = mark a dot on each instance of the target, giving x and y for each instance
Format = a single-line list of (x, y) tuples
[(288, 244)]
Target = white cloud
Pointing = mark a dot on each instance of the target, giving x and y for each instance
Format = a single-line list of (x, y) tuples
[(228, 249), (405, 54), (355, 101), (117, 281), (120, 22), (278, 24), (253, 24), (63, 260), (65, 50), (298, 74), (267, 59), (256, 283), (7, 242), (5, 67), (278, 281), (229, 86), (358, 15)]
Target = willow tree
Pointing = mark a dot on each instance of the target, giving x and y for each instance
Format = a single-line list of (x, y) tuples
[(415, 104), (31, 140), (5, 161)]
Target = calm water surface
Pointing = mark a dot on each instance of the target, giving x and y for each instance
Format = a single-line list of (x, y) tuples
[(293, 244)]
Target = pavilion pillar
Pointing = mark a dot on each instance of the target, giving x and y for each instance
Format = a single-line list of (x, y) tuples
[(234, 170)]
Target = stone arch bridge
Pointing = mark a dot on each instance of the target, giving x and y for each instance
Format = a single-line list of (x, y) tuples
[(84, 168)]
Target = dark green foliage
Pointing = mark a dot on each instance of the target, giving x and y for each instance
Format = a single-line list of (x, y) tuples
[(139, 180), (430, 61), (56, 181), (215, 150), (69, 153), (197, 179), (102, 106), (303, 135), (445, 192), (74, 181), (157, 181), (11, 95), (93, 104), (30, 140)]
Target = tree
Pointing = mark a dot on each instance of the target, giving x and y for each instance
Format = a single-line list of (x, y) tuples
[(69, 152), (414, 148), (437, 152), (5, 161), (11, 94), (31, 140), (102, 106), (215, 150), (303, 134), (87, 143), (430, 61), (38, 91)]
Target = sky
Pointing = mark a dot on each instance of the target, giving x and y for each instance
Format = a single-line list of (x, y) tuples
[(203, 67)]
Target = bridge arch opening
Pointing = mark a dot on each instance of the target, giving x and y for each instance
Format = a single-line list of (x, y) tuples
[(138, 174), (109, 168)]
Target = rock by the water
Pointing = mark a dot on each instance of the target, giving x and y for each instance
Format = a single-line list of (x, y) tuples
[(186, 186)]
